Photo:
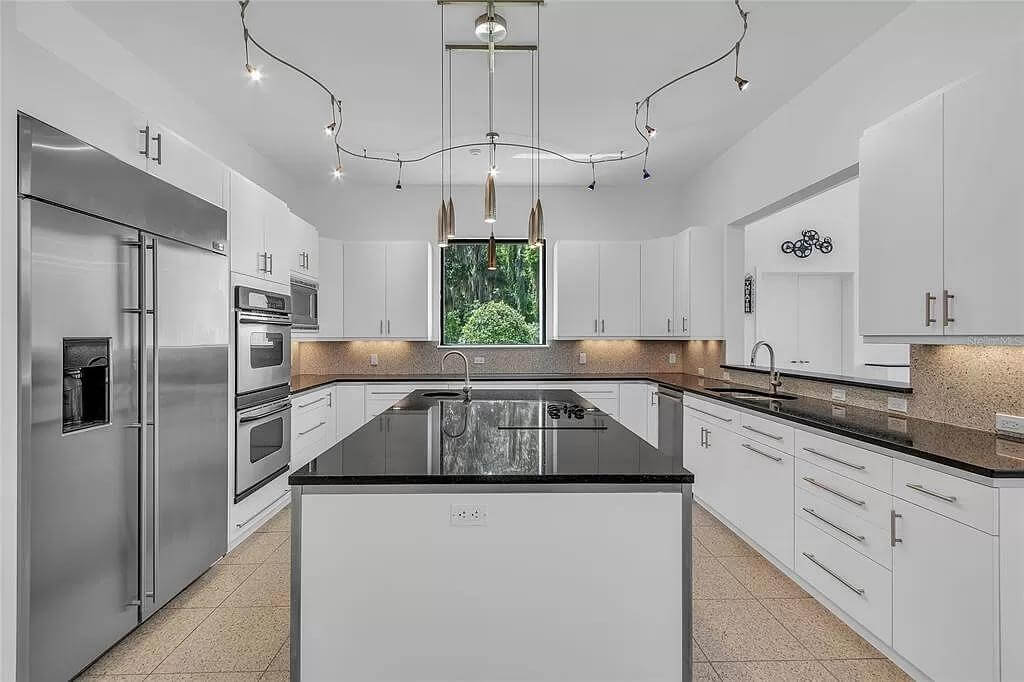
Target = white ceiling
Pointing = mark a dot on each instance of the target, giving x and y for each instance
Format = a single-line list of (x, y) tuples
[(383, 58)]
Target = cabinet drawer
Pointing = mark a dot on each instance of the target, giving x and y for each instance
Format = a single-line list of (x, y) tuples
[(866, 503), (714, 412), (768, 432), (845, 526), (312, 401), (314, 426), (961, 500), (854, 583), (763, 481), (870, 468)]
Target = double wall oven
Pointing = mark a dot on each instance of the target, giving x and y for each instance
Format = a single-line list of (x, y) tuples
[(263, 330)]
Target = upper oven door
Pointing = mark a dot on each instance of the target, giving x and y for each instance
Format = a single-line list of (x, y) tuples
[(304, 305), (262, 352)]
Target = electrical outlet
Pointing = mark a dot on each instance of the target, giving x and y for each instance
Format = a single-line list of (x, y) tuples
[(478, 360), (838, 411), (672, 358), (700, 371), (726, 375), (468, 515), (1010, 424), (583, 358), (839, 394), (373, 360), (897, 404)]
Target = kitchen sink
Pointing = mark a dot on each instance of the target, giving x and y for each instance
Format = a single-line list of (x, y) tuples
[(442, 394), (752, 393)]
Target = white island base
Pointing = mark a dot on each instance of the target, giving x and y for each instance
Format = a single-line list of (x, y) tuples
[(559, 582)]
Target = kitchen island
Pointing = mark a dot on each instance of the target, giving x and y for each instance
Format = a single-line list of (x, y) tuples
[(522, 535)]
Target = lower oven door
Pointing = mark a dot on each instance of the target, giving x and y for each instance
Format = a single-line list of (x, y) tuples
[(263, 352), (262, 445)]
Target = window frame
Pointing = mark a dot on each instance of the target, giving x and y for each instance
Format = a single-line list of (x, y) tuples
[(542, 293)]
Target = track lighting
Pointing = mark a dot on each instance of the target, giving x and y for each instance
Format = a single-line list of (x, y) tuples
[(592, 186), (742, 83), (338, 171), (398, 185), (255, 75), (647, 173), (651, 130), (329, 128), (593, 178)]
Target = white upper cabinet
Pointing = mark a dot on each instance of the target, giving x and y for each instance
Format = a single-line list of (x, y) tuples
[(983, 205), (657, 287), (597, 289), (329, 304), (386, 290), (177, 161), (305, 261), (698, 283), (259, 230), (901, 223)]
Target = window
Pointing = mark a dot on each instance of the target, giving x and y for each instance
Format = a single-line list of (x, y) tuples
[(502, 307)]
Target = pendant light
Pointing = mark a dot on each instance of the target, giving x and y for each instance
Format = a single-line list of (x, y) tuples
[(492, 253), (538, 221), (490, 203), (531, 229), (450, 226), (442, 225)]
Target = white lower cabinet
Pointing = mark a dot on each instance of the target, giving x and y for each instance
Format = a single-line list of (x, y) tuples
[(764, 491), (944, 611), (314, 425), (351, 408)]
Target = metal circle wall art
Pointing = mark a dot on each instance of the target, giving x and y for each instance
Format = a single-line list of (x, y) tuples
[(809, 241)]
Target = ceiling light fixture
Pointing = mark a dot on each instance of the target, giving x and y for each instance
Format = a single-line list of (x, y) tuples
[(398, 185), (651, 130), (492, 253), (491, 27), (593, 178), (329, 128), (255, 75)]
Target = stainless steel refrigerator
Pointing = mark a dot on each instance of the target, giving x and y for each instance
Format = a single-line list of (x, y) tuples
[(123, 358)]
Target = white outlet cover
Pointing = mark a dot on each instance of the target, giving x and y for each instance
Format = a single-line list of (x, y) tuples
[(468, 515), (838, 394), (700, 371), (1009, 423), (897, 404), (726, 375), (373, 360), (583, 358), (672, 358), (478, 360)]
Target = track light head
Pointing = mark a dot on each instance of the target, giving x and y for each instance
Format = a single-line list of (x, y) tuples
[(647, 173), (398, 185), (651, 130), (742, 83), (255, 75), (338, 171), (592, 186), (329, 128)]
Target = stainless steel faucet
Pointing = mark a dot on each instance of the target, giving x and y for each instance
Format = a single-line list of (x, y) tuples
[(774, 379), (465, 361)]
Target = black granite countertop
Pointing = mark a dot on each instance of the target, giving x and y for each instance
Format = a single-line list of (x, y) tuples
[(971, 450), (500, 437)]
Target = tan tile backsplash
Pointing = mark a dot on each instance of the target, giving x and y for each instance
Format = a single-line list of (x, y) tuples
[(963, 385)]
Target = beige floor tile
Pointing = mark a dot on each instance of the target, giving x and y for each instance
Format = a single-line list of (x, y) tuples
[(283, 554), (702, 517), (142, 651), (721, 541), (711, 580), (698, 655), (760, 576), (275, 676), (699, 550), (703, 672), (231, 640), (111, 678), (777, 671), (282, 660), (213, 587), (867, 670), (280, 523), (255, 549), (268, 585), (742, 630), (204, 677), (819, 630)]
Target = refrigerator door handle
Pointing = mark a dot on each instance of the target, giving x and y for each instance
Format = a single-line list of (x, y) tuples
[(156, 423), (143, 418)]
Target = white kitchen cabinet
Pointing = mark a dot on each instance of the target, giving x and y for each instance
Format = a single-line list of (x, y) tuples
[(763, 485), (314, 425), (708, 454), (597, 289), (351, 406), (944, 609), (633, 399), (681, 319), (305, 260), (802, 316), (329, 293), (386, 290), (699, 283), (983, 206), (657, 287), (901, 223), (258, 224), (177, 161), (652, 414), (576, 289)]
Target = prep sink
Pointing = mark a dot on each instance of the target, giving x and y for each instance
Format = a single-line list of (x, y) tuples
[(752, 393)]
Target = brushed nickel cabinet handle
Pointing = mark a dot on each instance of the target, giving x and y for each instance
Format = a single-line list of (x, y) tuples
[(159, 158), (763, 454), (841, 579), (946, 298), (311, 429), (668, 324), (684, 324), (893, 540), (314, 402), (145, 133), (858, 538), (928, 319), (602, 326), (858, 467), (762, 433), (844, 496), (595, 325), (710, 414), (921, 489)]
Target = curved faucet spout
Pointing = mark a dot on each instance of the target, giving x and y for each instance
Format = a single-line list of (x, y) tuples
[(467, 389), (774, 379)]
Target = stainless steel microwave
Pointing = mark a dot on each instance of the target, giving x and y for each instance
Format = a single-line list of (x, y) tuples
[(304, 305)]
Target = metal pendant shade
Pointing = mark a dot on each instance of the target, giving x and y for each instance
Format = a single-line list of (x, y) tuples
[(492, 253), (490, 201), (442, 225), (536, 225), (532, 228), (450, 227)]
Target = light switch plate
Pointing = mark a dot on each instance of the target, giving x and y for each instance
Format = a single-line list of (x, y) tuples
[(1010, 424), (583, 358), (373, 360), (897, 404), (700, 371), (478, 360), (839, 394), (672, 358)]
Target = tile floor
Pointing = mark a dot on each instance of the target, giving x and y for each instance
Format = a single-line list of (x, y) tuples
[(750, 622)]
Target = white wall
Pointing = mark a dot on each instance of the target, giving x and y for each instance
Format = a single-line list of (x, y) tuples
[(75, 72)]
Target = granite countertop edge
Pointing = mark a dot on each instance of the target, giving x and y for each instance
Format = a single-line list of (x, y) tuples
[(699, 386)]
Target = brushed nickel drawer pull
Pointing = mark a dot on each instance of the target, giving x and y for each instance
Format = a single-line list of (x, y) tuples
[(763, 454), (858, 538), (858, 467), (928, 319), (921, 489), (318, 400), (852, 500), (762, 433), (893, 540), (251, 518), (311, 429), (849, 585), (710, 414)]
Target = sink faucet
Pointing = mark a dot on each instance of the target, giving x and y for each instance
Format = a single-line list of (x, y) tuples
[(774, 380), (465, 361)]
